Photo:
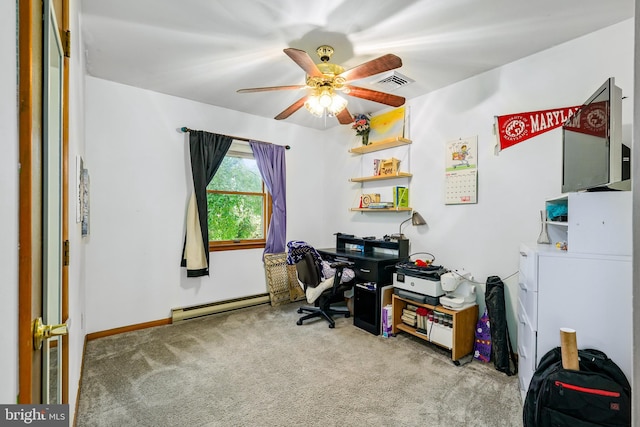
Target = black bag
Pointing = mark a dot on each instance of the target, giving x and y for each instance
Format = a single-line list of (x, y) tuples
[(501, 350), (596, 395)]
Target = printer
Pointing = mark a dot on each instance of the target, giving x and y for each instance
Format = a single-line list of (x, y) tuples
[(420, 284)]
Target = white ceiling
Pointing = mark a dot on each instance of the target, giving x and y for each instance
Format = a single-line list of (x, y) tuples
[(205, 50)]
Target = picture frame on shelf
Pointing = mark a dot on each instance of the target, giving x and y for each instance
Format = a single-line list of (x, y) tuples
[(387, 125)]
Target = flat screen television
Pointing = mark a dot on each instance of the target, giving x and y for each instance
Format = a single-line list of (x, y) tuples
[(593, 155)]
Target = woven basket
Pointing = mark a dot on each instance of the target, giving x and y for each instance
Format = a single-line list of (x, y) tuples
[(295, 290), (275, 266)]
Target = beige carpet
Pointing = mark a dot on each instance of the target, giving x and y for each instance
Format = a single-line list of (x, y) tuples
[(256, 367)]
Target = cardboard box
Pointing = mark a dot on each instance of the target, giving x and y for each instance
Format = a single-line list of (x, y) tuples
[(390, 166), (387, 320), (367, 199)]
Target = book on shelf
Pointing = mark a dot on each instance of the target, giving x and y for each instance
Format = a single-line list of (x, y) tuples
[(376, 167), (421, 322), (400, 197), (409, 313), (411, 321), (380, 205)]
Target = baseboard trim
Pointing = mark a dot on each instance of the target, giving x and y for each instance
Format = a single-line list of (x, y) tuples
[(193, 312), (130, 328)]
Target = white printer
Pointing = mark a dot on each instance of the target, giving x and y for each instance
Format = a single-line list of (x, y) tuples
[(420, 285), (423, 284)]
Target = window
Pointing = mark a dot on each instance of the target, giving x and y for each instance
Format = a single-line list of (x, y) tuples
[(238, 203)]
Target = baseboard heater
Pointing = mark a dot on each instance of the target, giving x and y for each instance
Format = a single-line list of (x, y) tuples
[(185, 313)]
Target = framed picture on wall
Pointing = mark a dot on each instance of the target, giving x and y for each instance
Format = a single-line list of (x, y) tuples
[(84, 185), (79, 167), (387, 126)]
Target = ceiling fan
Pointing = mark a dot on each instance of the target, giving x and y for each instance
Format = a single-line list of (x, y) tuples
[(325, 79)]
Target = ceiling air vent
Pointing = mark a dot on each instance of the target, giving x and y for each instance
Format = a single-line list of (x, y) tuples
[(394, 80)]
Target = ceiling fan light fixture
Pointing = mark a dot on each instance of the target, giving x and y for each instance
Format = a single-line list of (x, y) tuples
[(323, 80), (313, 106), (338, 104), (325, 97)]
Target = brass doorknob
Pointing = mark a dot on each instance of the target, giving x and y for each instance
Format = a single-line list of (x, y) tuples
[(42, 332)]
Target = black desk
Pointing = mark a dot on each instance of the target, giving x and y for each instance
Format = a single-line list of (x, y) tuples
[(369, 268)]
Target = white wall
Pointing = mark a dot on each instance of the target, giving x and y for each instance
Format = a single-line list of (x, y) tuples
[(76, 285), (140, 184), (483, 238), (8, 206), (139, 180)]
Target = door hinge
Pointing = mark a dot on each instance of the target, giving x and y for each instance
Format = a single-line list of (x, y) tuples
[(67, 44), (65, 253)]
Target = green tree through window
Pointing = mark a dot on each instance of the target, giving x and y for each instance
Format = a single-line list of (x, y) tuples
[(237, 202)]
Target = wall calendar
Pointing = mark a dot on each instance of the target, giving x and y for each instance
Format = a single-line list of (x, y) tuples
[(461, 171)]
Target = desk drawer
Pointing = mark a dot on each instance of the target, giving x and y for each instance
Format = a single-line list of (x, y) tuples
[(366, 273), (374, 271)]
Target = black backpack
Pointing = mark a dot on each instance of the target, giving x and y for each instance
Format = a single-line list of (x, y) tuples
[(598, 394)]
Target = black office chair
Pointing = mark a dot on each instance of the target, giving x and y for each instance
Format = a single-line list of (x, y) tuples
[(309, 275)]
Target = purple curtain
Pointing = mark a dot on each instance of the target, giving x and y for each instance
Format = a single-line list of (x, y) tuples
[(271, 163)]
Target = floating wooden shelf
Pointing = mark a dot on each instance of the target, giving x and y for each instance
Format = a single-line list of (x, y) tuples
[(381, 177), (381, 209), (380, 145)]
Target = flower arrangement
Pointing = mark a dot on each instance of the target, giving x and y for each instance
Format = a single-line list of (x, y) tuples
[(362, 127)]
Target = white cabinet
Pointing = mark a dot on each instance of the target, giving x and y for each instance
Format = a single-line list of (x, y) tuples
[(527, 316), (596, 223), (586, 292), (591, 294), (587, 288)]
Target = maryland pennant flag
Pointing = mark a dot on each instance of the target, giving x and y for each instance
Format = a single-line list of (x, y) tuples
[(592, 119), (515, 128)]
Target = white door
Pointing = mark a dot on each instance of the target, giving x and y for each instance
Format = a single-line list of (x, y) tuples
[(52, 246)]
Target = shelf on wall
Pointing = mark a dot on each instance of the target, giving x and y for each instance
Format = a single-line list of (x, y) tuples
[(399, 209), (381, 177), (560, 223), (380, 145)]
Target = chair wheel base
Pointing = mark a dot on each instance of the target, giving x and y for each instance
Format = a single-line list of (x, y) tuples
[(299, 322), (331, 326), (299, 310)]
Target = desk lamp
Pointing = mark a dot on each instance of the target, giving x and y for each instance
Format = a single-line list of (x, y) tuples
[(416, 219)]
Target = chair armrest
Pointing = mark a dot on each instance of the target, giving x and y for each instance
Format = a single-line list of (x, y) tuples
[(340, 265)]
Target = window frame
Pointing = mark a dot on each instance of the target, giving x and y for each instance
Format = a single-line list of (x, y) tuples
[(243, 150)]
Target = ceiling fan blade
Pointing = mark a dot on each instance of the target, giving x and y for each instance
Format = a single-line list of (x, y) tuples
[(375, 96), (375, 66), (344, 117), (268, 88), (305, 62), (292, 108)]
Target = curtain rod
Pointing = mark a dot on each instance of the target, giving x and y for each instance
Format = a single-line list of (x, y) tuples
[(186, 129)]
